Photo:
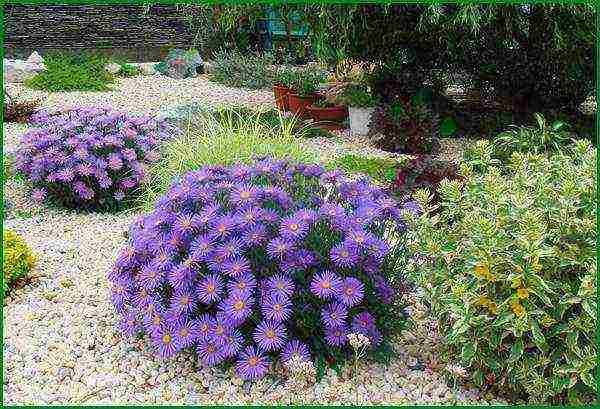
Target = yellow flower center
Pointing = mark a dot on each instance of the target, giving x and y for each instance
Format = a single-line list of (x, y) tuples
[(156, 320), (270, 334), (210, 288), (344, 253), (326, 284), (166, 339), (184, 332), (239, 305), (245, 194), (294, 227), (278, 307), (349, 291), (253, 361)]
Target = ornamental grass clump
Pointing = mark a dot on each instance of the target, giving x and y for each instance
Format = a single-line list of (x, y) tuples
[(92, 158), (256, 263), (509, 266)]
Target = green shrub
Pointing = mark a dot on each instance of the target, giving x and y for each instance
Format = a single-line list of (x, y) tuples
[(18, 260), (72, 72), (357, 96), (251, 71), (535, 139), (509, 268), (128, 70), (405, 126), (306, 81), (380, 169), (225, 138)]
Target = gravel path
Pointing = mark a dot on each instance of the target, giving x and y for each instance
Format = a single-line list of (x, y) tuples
[(151, 94), (61, 344)]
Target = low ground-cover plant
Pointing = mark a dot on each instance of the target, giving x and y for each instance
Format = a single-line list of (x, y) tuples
[(263, 262), (380, 169), (235, 69), (128, 70), (405, 126), (224, 139), (72, 72), (17, 259), (509, 265), (87, 157), (19, 110), (423, 171), (542, 137)]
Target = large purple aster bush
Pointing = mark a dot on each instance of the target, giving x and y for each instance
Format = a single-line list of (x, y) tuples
[(88, 157), (253, 264)]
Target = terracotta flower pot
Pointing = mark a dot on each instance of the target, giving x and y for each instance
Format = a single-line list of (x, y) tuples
[(330, 114), (299, 104), (281, 97)]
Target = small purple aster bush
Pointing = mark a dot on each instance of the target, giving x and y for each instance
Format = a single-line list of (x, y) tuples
[(255, 264), (89, 157)]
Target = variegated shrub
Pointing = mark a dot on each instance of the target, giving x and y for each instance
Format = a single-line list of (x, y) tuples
[(509, 268)]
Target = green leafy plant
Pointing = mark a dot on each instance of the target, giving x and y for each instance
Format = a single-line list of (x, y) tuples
[(285, 76), (17, 261), (480, 156), (542, 137), (251, 71), (128, 70), (405, 127), (380, 169), (509, 270), (448, 127), (305, 82), (358, 96), (72, 72)]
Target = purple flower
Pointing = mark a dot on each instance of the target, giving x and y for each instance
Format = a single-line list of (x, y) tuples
[(276, 308), (39, 195), (293, 228), (297, 349), (233, 344), (209, 352), (209, 289), (352, 292), (344, 256), (244, 283), (183, 302), (233, 247), (151, 276), (237, 306), (129, 324), (164, 341), (203, 326), (363, 323), (222, 227), (336, 336), (334, 315), (269, 335), (236, 267), (279, 247), (280, 285), (255, 236), (326, 285), (252, 364), (186, 333), (244, 195), (359, 238), (331, 210)]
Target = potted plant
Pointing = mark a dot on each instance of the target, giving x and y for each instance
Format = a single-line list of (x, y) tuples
[(361, 104), (303, 93), (325, 110), (281, 88)]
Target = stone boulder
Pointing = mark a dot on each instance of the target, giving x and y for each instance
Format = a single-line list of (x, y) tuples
[(35, 58), (182, 64), (19, 70), (113, 68)]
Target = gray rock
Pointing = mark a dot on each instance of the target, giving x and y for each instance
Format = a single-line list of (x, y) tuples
[(113, 67), (35, 58), (19, 70)]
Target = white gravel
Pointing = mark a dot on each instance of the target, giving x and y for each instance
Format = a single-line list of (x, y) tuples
[(61, 344)]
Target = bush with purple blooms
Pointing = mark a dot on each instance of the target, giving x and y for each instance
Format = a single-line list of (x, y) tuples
[(87, 157), (256, 263)]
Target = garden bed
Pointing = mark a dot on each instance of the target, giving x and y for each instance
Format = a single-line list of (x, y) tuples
[(61, 343)]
